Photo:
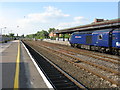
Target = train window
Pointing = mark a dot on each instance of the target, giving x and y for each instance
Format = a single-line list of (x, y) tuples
[(100, 37), (113, 37)]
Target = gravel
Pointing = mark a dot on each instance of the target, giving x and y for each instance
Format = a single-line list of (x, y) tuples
[(88, 79)]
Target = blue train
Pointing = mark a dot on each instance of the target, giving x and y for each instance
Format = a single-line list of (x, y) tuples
[(104, 40)]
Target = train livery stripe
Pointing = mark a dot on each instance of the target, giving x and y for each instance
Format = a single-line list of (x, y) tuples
[(16, 80)]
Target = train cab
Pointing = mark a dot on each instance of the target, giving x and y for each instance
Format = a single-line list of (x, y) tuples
[(116, 38)]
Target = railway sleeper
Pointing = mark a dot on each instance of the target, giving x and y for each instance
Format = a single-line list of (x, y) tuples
[(58, 78), (52, 75), (64, 84), (52, 72), (70, 87), (73, 87), (61, 76), (61, 81)]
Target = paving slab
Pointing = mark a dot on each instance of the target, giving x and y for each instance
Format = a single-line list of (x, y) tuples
[(29, 76)]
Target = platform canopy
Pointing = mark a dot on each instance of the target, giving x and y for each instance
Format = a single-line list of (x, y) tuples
[(114, 23)]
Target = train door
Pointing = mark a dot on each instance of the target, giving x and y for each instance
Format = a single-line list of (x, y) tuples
[(88, 39)]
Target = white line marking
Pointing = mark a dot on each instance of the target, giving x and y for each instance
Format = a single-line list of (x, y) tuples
[(39, 70)]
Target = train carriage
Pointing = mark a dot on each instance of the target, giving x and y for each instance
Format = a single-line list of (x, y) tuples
[(104, 40), (101, 40), (81, 39), (116, 41), (116, 38)]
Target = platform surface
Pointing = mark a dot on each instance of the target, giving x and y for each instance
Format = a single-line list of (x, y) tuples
[(58, 42), (29, 77)]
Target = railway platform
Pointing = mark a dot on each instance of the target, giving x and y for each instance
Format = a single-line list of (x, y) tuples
[(18, 70), (58, 42)]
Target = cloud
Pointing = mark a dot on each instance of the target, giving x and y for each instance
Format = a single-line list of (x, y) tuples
[(8, 23), (3, 22), (50, 17), (50, 14), (77, 21)]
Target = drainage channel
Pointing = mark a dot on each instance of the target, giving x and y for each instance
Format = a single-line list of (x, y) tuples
[(57, 77)]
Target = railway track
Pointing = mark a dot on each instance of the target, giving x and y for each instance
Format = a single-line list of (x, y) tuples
[(97, 56), (62, 53), (57, 77), (77, 60), (87, 53), (71, 51)]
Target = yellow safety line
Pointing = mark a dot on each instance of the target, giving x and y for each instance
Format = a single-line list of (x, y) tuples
[(16, 80)]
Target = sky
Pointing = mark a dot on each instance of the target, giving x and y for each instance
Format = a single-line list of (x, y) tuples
[(30, 17)]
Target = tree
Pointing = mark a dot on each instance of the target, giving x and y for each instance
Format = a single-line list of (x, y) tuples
[(39, 35), (30, 36), (43, 34), (22, 36), (11, 34), (51, 30)]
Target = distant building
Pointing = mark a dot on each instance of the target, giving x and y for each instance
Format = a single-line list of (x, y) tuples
[(52, 34), (98, 20)]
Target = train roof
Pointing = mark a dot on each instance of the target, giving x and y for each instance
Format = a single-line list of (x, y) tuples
[(83, 32)]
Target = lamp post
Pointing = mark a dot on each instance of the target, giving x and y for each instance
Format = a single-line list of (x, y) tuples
[(2, 39), (2, 29), (17, 32)]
